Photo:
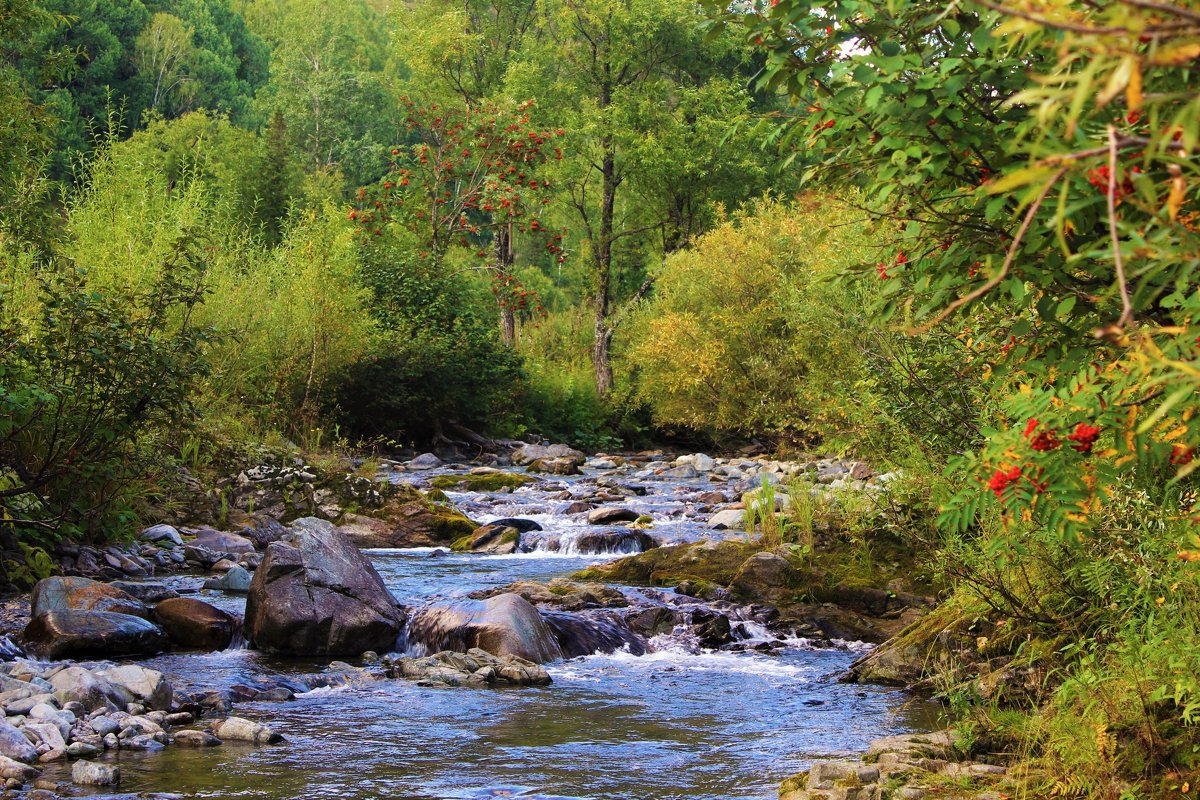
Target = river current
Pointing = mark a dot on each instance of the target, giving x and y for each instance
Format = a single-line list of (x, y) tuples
[(675, 723)]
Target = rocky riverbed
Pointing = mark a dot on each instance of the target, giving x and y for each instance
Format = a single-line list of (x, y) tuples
[(327, 609)]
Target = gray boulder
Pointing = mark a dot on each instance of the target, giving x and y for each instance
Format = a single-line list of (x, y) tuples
[(236, 581), (611, 516), (79, 685), (91, 773), (319, 596), (162, 535), (141, 684)]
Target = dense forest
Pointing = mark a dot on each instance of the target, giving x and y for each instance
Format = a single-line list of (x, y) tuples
[(956, 240)]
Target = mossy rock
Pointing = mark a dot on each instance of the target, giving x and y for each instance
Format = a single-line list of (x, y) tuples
[(462, 544), (714, 562), (490, 482), (447, 523), (437, 496)]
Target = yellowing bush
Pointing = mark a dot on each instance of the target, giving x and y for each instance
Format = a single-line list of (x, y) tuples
[(745, 334)]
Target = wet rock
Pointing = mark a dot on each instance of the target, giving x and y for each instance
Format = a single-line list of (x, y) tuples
[(236, 581), (486, 482), (505, 625), (621, 540), (522, 525), (410, 521), (492, 539), (475, 668), (146, 592), (195, 739), (534, 452), (60, 593), (712, 498), (222, 542), (711, 629), (561, 594), (578, 507), (611, 516), (319, 596), (194, 624), (651, 622), (91, 773), (165, 535), (239, 729), (15, 770), (58, 635), (580, 636), (145, 686), (14, 745), (261, 529)]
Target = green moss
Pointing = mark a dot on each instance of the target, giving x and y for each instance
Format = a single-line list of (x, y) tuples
[(448, 524), (716, 563), (462, 544), (490, 482), (436, 496), (510, 536)]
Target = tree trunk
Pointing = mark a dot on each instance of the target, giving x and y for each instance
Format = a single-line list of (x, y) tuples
[(602, 343), (505, 257)]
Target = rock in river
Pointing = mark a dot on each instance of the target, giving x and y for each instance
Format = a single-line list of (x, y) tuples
[(504, 625), (59, 635), (319, 596), (82, 594), (611, 516), (195, 624)]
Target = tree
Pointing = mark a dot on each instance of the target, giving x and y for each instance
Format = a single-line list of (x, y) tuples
[(1039, 163), (474, 174), (614, 70), (161, 52)]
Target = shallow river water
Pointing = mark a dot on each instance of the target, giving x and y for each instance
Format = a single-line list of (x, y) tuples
[(670, 724)]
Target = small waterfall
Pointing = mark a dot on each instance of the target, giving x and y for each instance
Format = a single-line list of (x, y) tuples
[(589, 542), (8, 650)]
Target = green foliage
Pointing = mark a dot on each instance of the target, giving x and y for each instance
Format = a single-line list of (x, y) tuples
[(747, 332), (83, 385)]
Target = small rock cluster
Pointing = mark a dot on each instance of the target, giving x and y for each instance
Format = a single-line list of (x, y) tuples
[(67, 711), (908, 767), (476, 667)]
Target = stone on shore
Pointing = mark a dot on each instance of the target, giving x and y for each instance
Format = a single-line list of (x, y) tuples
[(142, 685), (611, 516)]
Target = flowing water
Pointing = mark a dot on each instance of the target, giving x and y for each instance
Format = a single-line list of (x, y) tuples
[(678, 722)]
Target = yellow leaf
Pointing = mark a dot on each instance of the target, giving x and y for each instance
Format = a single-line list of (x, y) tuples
[(1117, 81), (1177, 55), (1178, 191), (1133, 92)]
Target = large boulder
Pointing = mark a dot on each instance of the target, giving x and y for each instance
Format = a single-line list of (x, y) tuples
[(504, 625), (319, 596), (58, 635), (581, 636), (59, 593), (765, 577), (195, 624), (543, 452)]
